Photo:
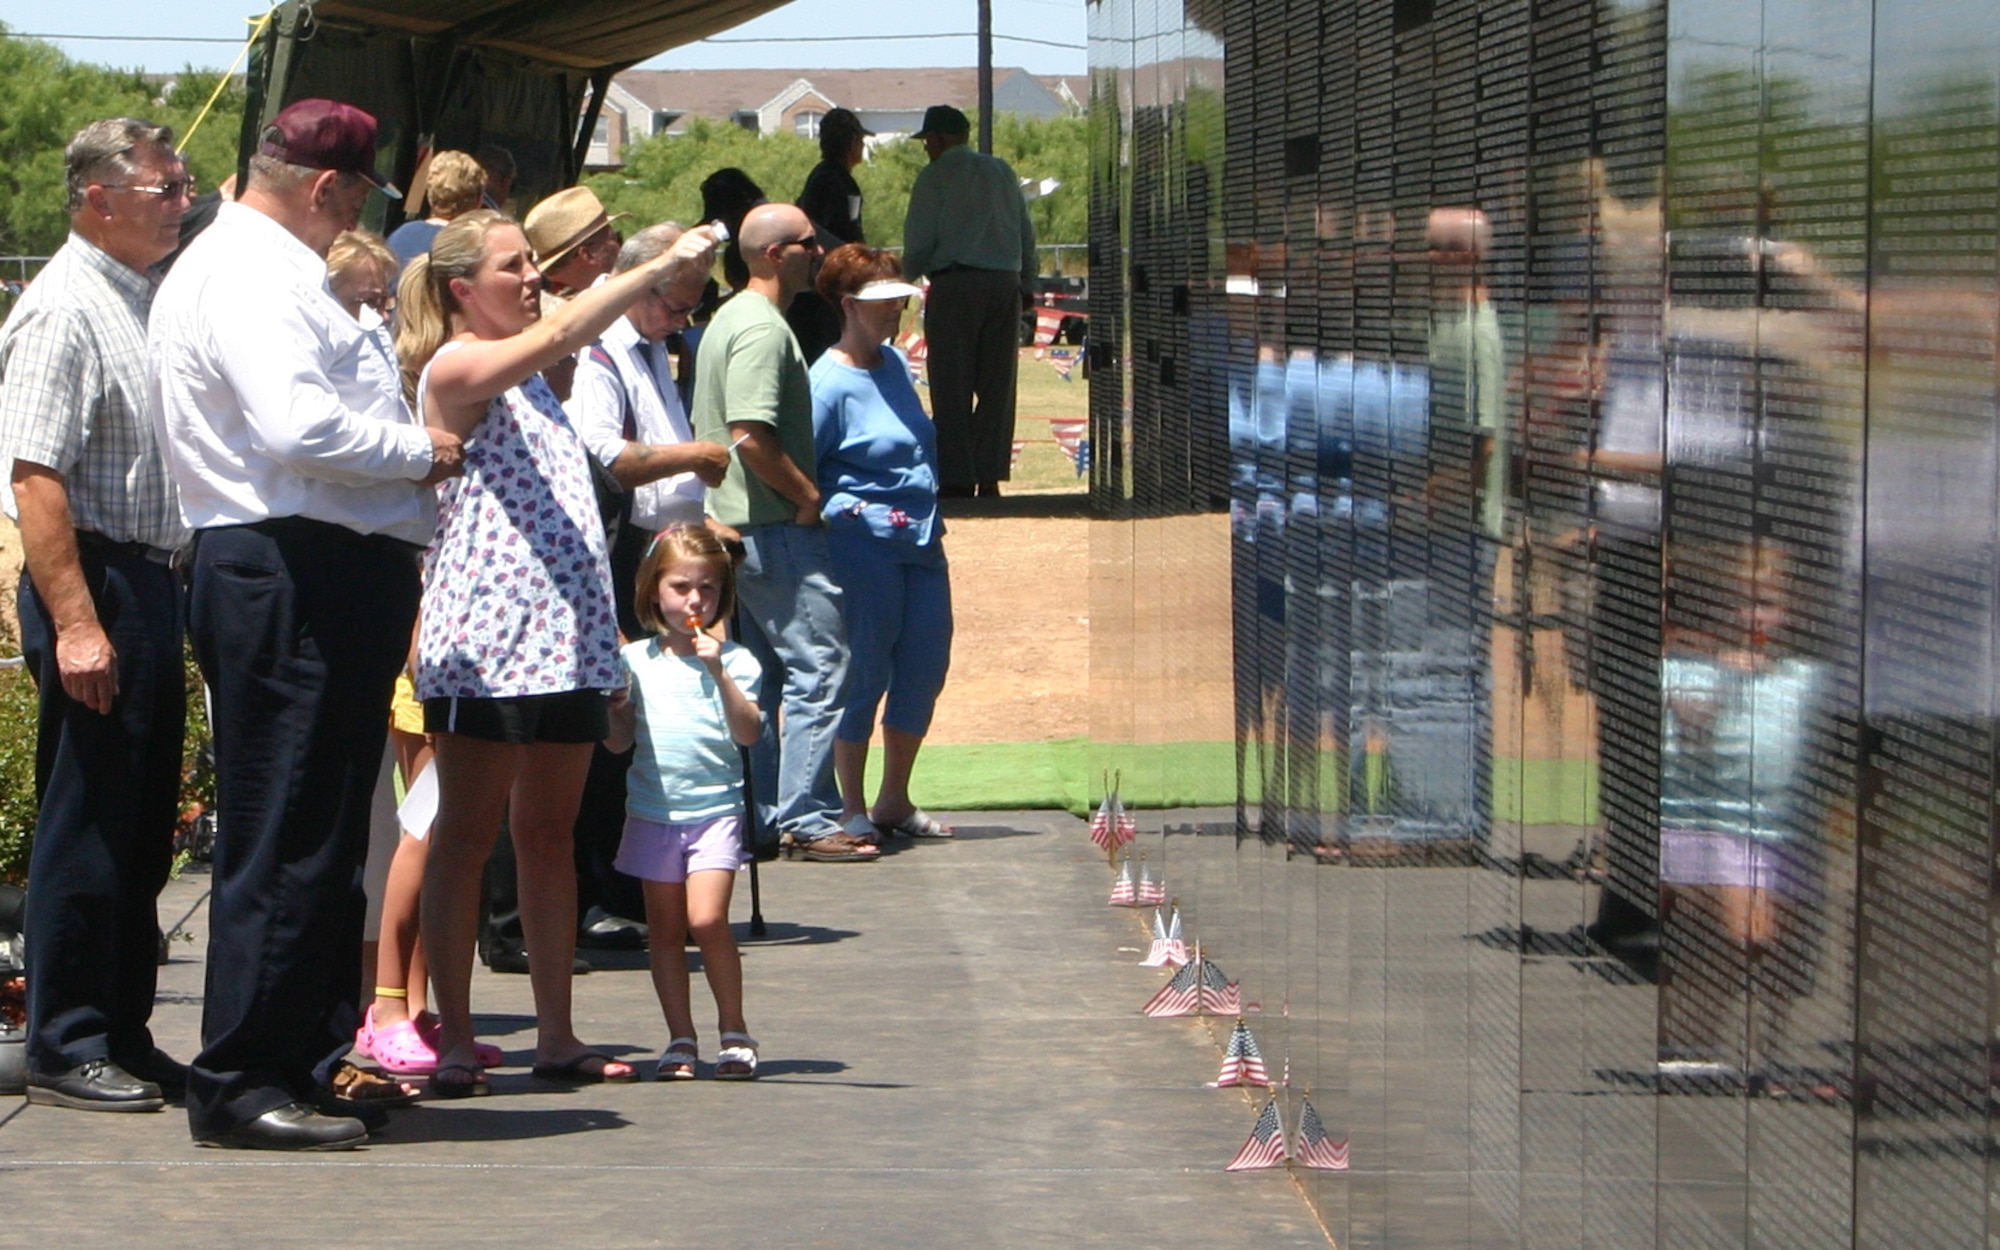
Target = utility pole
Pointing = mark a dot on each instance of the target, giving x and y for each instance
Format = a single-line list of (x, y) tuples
[(986, 76)]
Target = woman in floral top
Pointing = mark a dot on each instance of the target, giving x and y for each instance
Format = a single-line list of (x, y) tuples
[(518, 648)]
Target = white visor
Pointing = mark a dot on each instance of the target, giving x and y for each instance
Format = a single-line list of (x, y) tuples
[(886, 288)]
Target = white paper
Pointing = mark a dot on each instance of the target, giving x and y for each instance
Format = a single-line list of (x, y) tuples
[(420, 804)]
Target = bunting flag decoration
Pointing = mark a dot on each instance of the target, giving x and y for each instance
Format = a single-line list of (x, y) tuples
[(1265, 1147), (1048, 323), (1180, 996), (1014, 456), (1242, 1062), (1168, 945), (1150, 890), (1063, 362), (1124, 891), (1070, 434), (1316, 1148), (916, 350)]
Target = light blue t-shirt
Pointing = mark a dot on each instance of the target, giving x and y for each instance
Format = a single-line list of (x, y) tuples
[(877, 450), (687, 768)]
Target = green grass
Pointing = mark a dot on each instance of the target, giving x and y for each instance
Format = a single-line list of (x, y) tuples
[(1067, 774)]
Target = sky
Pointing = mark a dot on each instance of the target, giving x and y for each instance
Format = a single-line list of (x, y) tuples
[(1054, 21)]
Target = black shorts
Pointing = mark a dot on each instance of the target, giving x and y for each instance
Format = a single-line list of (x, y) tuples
[(572, 716)]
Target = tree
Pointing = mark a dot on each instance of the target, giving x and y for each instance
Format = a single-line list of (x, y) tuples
[(45, 98)]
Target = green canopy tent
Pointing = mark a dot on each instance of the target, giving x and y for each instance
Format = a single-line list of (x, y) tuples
[(528, 75)]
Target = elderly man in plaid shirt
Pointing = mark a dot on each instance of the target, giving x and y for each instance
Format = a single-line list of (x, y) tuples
[(101, 618)]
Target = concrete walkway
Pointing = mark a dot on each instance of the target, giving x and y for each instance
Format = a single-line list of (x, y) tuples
[(953, 1057)]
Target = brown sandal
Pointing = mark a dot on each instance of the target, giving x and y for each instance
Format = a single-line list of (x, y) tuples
[(355, 1084), (840, 848)]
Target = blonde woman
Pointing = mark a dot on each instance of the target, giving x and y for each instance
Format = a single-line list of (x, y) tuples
[(518, 643), (454, 183)]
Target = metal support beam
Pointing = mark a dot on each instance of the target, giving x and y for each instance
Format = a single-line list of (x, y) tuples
[(986, 76)]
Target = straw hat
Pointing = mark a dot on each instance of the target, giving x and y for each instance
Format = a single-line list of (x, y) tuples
[(556, 225)]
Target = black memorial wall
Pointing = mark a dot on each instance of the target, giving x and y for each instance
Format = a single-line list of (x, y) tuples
[(1583, 414)]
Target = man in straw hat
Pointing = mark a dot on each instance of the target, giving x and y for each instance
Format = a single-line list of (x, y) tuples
[(573, 239), (309, 490)]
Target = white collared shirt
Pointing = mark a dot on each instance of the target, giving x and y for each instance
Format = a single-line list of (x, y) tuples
[(597, 405), (261, 397)]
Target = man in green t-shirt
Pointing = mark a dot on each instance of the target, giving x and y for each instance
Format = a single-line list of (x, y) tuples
[(750, 385)]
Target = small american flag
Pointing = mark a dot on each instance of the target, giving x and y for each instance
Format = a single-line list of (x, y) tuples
[(1104, 822), (1178, 997), (1124, 892), (1150, 890), (1316, 1149), (1242, 1063), (1219, 995), (1168, 945), (1265, 1147)]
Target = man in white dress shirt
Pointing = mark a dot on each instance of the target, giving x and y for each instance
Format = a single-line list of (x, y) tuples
[(626, 406), (310, 495)]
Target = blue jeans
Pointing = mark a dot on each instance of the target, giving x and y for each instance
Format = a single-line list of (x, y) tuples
[(788, 614), (898, 630)]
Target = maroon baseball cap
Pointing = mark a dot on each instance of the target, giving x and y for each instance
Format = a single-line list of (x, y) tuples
[(325, 134)]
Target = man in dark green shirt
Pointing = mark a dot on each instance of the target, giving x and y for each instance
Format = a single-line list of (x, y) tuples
[(968, 231)]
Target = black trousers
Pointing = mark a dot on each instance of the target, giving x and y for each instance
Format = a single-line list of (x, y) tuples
[(109, 787), (300, 628), (972, 327)]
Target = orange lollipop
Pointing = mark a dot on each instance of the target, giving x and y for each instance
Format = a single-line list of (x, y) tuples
[(693, 623)]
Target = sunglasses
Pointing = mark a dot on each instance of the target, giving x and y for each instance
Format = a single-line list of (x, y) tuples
[(810, 243), (175, 189)]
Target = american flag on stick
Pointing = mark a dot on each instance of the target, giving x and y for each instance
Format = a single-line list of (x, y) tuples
[(1150, 889), (1242, 1062), (1168, 945), (1110, 827), (1124, 891), (1180, 996), (1265, 1147), (1316, 1148), (1220, 996)]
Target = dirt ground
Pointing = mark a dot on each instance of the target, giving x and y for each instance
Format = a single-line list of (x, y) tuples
[(1020, 660)]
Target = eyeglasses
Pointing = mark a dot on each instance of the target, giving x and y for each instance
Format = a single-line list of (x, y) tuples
[(679, 312), (810, 243), (172, 190)]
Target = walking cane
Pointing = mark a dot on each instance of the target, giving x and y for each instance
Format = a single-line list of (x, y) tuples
[(749, 828)]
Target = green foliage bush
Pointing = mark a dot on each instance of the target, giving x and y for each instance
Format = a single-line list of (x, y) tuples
[(17, 761), (17, 772)]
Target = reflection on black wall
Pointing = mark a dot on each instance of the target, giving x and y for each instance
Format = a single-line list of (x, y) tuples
[(1589, 409)]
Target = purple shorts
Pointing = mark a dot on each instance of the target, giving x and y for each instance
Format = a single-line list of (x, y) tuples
[(652, 851)]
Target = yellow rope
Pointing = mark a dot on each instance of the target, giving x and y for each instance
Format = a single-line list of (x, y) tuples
[(256, 31)]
